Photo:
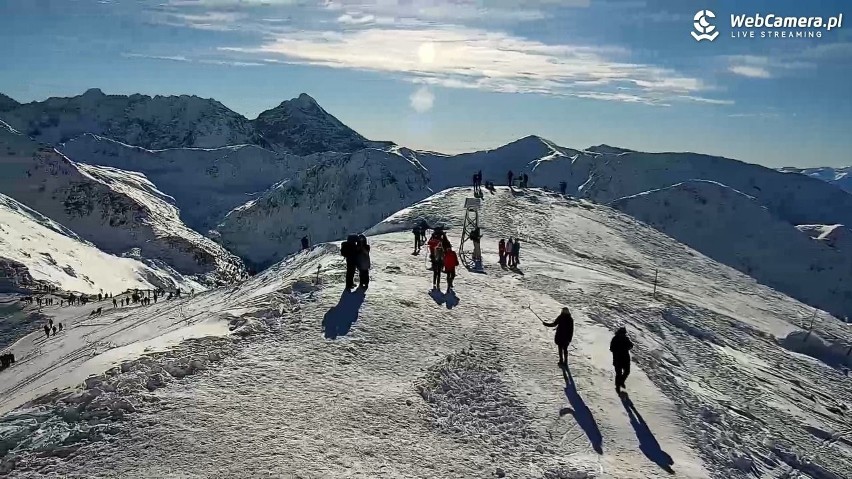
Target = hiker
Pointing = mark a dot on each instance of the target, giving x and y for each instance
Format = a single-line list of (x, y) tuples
[(509, 246), (433, 243), (54, 330), (620, 347), (526, 180), (563, 187), (114, 303), (348, 250), (47, 330), (306, 243), (450, 263), (501, 250), (564, 325), (475, 181), (476, 237), (424, 226), (418, 235), (363, 262), (516, 252), (155, 297), (510, 176), (60, 327), (445, 242), (437, 261)]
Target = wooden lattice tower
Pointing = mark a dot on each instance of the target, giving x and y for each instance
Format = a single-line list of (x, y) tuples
[(471, 220)]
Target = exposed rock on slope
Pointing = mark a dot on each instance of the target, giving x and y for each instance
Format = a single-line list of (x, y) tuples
[(300, 126)]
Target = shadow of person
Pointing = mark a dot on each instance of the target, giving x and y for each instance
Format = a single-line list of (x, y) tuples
[(517, 270), (581, 412), (339, 319), (450, 299), (647, 442), (437, 296)]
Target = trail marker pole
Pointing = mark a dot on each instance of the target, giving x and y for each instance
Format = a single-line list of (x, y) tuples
[(811, 327)]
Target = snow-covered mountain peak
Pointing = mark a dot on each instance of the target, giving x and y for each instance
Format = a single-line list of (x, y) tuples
[(608, 150), (302, 127)]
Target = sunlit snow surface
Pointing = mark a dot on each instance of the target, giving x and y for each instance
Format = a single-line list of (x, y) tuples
[(284, 378)]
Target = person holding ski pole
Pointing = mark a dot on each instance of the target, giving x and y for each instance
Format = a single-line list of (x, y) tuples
[(564, 325)]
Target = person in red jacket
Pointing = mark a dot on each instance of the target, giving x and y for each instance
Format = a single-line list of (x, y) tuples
[(450, 263)]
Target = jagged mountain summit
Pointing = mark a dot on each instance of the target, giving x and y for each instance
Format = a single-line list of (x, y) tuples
[(298, 126), (120, 212), (301, 126)]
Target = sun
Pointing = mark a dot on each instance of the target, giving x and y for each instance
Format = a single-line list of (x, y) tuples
[(426, 52)]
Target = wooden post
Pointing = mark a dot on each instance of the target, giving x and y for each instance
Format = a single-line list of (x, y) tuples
[(811, 327)]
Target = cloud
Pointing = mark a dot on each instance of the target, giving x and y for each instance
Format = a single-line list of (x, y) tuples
[(422, 99), (750, 71), (465, 57), (176, 58)]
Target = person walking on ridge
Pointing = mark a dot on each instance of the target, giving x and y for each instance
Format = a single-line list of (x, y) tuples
[(417, 238), (348, 249), (620, 347), (564, 325), (437, 262), (363, 262), (450, 263), (510, 176), (501, 250)]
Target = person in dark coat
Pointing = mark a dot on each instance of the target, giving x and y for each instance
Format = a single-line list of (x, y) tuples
[(476, 237), (563, 187), (516, 252), (349, 250), (620, 347), (306, 243), (47, 330), (418, 239), (564, 325), (510, 176), (362, 261)]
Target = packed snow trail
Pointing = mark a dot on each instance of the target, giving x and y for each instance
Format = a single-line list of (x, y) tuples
[(401, 383)]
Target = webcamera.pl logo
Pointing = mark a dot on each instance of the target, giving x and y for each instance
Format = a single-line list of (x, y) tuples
[(703, 27), (764, 26)]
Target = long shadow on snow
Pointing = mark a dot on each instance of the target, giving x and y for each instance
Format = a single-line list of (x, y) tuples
[(648, 444), (581, 412), (449, 299), (339, 319)]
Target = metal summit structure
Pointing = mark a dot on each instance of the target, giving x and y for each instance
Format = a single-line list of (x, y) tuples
[(471, 220)]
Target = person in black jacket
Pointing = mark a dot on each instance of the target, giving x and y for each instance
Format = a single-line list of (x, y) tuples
[(362, 261), (620, 347), (476, 237), (564, 325), (349, 250)]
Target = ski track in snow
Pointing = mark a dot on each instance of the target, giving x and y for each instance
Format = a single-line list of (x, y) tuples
[(408, 384)]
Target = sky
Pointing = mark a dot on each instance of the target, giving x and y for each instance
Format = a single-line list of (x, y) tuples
[(463, 75)]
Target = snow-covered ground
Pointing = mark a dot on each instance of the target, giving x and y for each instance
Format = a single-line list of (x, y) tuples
[(734, 229), (404, 382), (839, 177), (35, 250), (119, 211)]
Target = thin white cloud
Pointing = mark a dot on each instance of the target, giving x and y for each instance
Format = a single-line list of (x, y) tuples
[(750, 71), (462, 57), (422, 99), (175, 58)]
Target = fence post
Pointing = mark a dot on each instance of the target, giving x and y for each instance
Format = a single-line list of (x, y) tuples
[(811, 327)]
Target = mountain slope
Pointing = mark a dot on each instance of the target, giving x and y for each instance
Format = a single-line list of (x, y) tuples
[(840, 177), (733, 229), (403, 382), (301, 127), (36, 252), (205, 183), (7, 103), (343, 194), (141, 120), (118, 211)]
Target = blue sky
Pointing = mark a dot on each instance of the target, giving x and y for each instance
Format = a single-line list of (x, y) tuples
[(461, 75)]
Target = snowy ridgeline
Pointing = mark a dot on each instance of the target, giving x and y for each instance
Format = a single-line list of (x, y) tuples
[(118, 211), (403, 382), (840, 177), (734, 229)]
